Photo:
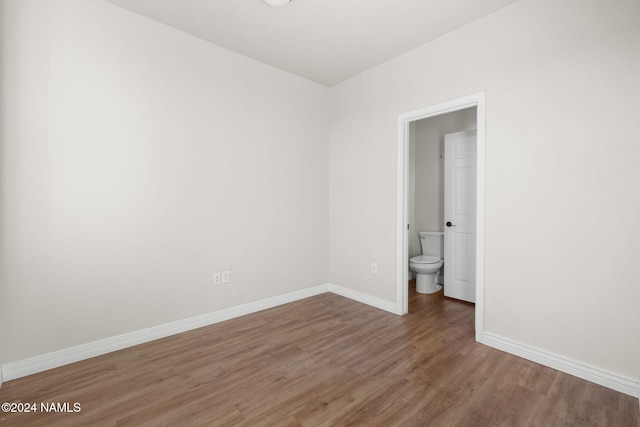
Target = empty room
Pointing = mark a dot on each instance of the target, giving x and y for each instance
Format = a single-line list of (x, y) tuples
[(319, 212)]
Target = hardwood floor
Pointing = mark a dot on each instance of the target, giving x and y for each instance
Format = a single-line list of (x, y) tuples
[(322, 361)]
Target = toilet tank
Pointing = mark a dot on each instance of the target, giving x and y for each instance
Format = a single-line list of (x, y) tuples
[(432, 243)]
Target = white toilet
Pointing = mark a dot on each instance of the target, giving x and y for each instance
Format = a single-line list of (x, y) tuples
[(427, 266)]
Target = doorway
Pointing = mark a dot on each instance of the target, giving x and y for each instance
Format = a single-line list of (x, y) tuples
[(405, 122)]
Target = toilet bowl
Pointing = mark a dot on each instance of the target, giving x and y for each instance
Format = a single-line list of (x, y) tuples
[(426, 268), (428, 265)]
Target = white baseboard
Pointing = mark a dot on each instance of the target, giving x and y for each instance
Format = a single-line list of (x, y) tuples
[(364, 298), (59, 358), (576, 368)]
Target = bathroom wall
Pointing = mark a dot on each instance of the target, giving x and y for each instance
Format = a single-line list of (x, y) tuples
[(426, 170), (561, 86), (137, 160)]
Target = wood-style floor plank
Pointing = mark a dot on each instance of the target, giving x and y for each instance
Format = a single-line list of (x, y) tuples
[(322, 361)]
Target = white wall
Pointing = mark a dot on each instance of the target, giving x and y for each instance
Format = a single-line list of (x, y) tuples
[(562, 207), (136, 161), (427, 170)]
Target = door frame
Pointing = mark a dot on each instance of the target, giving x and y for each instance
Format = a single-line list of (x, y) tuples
[(402, 251)]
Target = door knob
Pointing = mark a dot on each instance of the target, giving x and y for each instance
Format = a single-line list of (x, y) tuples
[(448, 224)]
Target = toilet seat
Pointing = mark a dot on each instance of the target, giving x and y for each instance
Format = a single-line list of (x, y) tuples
[(425, 259)]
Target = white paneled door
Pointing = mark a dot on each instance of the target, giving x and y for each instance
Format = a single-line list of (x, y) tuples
[(460, 215)]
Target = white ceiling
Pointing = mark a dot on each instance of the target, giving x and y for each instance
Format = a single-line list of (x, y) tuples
[(326, 41)]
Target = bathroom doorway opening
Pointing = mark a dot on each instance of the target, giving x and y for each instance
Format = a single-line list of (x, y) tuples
[(405, 228)]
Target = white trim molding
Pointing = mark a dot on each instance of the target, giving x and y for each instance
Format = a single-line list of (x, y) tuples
[(59, 358), (33, 365), (402, 218), (576, 368), (376, 302)]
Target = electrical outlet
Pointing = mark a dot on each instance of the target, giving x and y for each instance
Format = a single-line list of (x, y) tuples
[(374, 268), (216, 279), (226, 276)]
